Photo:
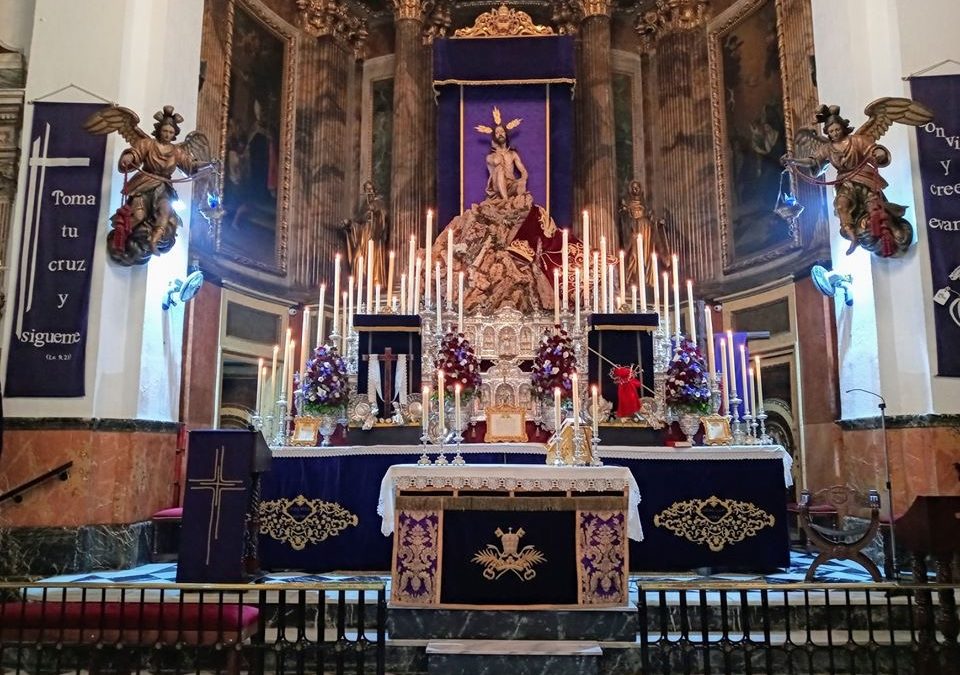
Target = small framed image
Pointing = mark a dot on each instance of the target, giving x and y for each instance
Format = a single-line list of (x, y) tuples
[(506, 424), (305, 431), (716, 430)]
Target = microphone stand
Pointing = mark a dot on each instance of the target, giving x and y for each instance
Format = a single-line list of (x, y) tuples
[(886, 461)]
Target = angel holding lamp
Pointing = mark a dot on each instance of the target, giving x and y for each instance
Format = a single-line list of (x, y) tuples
[(867, 218), (147, 223)]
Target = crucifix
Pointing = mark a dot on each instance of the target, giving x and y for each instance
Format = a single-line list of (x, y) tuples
[(217, 485), (388, 357)]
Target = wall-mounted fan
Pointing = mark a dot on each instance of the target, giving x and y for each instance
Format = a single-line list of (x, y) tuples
[(829, 282), (183, 290)]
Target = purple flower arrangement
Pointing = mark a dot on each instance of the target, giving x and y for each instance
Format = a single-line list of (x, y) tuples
[(687, 385), (553, 365), (459, 363), (324, 386)]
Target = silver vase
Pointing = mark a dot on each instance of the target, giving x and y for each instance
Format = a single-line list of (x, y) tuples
[(328, 425), (689, 424)]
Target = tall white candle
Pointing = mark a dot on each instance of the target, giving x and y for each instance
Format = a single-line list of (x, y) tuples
[(633, 297), (305, 340), (344, 323), (595, 410), (440, 391), (293, 350), (389, 288), (456, 405), (438, 305), (449, 268), (556, 296), (416, 286), (273, 375), (733, 367), (759, 400), (690, 314), (666, 303), (641, 275), (602, 271), (575, 393), (260, 371), (403, 293), (586, 259), (336, 292), (744, 375), (751, 394), (576, 297), (376, 299), (596, 282), (566, 270), (460, 302), (556, 408), (711, 355), (370, 280), (321, 314), (623, 275), (427, 257), (411, 257), (654, 264), (360, 276), (675, 264), (348, 306), (723, 365), (425, 408), (611, 275)]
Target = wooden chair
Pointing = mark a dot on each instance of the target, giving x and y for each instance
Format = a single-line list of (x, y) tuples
[(847, 538)]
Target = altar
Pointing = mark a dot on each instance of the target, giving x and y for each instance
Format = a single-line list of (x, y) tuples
[(722, 507)]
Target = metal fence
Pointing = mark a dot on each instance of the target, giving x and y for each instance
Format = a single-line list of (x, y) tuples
[(798, 628), (182, 628)]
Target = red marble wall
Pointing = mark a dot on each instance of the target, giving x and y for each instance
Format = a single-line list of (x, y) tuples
[(117, 476)]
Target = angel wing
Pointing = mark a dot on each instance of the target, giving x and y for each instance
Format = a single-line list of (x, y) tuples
[(116, 118), (198, 147), (885, 111), (807, 141), (483, 129)]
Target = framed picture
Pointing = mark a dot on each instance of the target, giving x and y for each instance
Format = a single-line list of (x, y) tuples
[(305, 430), (256, 137), (716, 430), (506, 424), (751, 125)]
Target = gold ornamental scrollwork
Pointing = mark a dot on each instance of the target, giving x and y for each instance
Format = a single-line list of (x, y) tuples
[(670, 16), (510, 558), (301, 521), (334, 18), (408, 9), (503, 22), (596, 7), (714, 522)]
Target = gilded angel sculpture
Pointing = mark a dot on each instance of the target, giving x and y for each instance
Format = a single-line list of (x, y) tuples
[(147, 223), (867, 219)]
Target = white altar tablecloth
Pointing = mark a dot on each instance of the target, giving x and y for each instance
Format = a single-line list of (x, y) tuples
[(507, 477)]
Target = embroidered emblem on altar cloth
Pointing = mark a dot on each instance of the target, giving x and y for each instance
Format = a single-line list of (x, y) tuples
[(715, 522), (301, 521), (415, 557), (601, 550), (497, 562)]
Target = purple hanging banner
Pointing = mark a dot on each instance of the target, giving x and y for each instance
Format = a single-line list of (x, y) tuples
[(60, 213), (938, 153)]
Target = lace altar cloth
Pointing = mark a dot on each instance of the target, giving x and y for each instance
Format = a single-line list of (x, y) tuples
[(506, 478)]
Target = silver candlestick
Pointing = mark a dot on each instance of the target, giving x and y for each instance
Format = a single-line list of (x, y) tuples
[(749, 436), (738, 433), (280, 438), (765, 439), (579, 445)]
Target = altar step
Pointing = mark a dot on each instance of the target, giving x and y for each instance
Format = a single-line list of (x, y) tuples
[(518, 657)]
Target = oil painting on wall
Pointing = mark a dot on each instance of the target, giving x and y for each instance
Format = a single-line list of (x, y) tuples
[(749, 132)]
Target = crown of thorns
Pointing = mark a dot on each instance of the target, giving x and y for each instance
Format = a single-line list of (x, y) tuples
[(498, 122)]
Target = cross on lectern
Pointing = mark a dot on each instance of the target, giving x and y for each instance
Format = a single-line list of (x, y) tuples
[(217, 485), (388, 357)]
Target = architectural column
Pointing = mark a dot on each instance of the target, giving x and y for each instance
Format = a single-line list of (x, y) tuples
[(596, 155), (683, 189), (409, 189), (324, 106)]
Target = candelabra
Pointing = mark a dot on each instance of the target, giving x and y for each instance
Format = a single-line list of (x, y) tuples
[(283, 419), (424, 439), (738, 434), (765, 439), (594, 445), (579, 445), (749, 434)]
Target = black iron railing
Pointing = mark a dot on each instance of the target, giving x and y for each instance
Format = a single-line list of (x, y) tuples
[(16, 494), (183, 628)]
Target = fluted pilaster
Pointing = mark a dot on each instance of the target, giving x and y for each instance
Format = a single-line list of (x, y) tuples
[(596, 154)]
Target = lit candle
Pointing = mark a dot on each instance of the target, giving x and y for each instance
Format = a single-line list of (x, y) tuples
[(566, 270), (602, 271), (411, 257), (390, 263), (733, 365), (344, 323), (370, 279), (595, 411), (456, 405), (440, 385), (460, 303), (376, 299), (633, 297), (556, 296), (666, 303), (360, 276), (751, 394), (675, 264), (437, 280), (403, 293), (449, 268), (623, 275), (556, 408), (711, 356), (293, 350), (321, 314), (425, 408), (692, 329), (596, 282), (273, 375), (260, 372), (586, 258), (654, 264), (427, 257), (744, 381), (641, 275), (575, 393), (348, 305), (305, 340), (723, 365), (416, 286), (759, 399), (336, 291), (576, 297)]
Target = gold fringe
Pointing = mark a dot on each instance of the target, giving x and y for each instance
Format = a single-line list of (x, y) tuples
[(444, 503)]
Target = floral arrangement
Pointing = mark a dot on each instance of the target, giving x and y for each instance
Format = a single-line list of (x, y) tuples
[(687, 385), (553, 364), (324, 386), (459, 363)]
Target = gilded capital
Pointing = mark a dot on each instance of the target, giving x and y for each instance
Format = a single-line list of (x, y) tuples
[(595, 7), (669, 16), (409, 9), (333, 18)]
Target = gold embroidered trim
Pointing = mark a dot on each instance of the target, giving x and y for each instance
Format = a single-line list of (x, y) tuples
[(301, 521), (503, 22), (602, 550), (416, 560), (715, 522), (497, 562)]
